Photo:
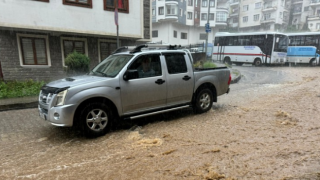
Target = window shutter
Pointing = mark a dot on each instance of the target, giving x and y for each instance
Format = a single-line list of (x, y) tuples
[(79, 47), (41, 51), (27, 48), (104, 50), (68, 47)]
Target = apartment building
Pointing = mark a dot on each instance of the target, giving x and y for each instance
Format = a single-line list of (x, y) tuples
[(183, 21), (313, 18), (258, 15), (37, 35)]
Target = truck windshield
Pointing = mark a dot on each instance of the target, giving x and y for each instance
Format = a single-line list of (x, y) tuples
[(111, 66)]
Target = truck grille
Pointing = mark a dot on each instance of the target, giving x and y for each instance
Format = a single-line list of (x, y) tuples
[(45, 97)]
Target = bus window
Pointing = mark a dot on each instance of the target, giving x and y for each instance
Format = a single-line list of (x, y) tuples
[(244, 40), (216, 41)]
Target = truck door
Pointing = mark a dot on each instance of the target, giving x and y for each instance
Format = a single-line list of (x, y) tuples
[(147, 90), (180, 80)]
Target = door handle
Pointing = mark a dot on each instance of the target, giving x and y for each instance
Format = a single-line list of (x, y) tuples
[(186, 78), (160, 81)]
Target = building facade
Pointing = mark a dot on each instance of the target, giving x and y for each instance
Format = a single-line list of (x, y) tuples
[(37, 35), (183, 21)]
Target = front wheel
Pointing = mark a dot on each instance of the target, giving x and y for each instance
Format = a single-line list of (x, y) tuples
[(313, 62), (95, 119), (203, 102)]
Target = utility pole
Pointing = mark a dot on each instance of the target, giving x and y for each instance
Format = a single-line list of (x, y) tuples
[(116, 19), (207, 28)]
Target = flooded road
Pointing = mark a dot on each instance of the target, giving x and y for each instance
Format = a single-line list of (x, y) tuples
[(267, 127)]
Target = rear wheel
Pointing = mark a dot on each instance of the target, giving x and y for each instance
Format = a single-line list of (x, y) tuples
[(203, 102), (95, 119), (257, 62)]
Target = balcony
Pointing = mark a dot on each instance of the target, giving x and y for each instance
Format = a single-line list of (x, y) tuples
[(314, 3), (269, 8), (234, 12), (314, 17), (172, 2), (268, 20), (223, 9), (222, 1), (297, 1), (297, 11), (233, 25), (234, 2)]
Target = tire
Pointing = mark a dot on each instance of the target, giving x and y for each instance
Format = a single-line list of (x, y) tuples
[(257, 62), (203, 101), (228, 61), (312, 62), (95, 119)]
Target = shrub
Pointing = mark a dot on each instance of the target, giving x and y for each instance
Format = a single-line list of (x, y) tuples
[(12, 89), (77, 63)]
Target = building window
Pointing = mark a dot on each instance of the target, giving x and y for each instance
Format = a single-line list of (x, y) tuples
[(258, 5), (318, 26), (196, 14), (42, 0), (153, 12), (189, 15), (204, 16), (280, 14), (190, 2), (222, 16), (184, 35), (68, 45), (306, 8), (204, 3), (245, 19), (171, 9), (154, 33), (256, 17), (106, 47), (81, 3), (180, 12), (203, 36), (245, 7), (33, 50), (175, 34), (110, 5), (212, 3), (161, 10), (267, 16), (211, 16)]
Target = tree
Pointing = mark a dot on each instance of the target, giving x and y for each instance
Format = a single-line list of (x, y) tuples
[(77, 63)]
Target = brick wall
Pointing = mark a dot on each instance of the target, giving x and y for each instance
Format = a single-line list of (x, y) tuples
[(10, 62)]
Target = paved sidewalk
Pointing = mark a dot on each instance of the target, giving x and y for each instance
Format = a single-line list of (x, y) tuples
[(32, 101)]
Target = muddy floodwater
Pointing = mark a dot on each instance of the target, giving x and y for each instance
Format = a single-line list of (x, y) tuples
[(264, 131)]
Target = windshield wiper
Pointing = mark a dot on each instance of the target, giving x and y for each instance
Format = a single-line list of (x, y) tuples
[(101, 73)]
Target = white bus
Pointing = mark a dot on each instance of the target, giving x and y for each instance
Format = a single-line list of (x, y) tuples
[(304, 48), (252, 48)]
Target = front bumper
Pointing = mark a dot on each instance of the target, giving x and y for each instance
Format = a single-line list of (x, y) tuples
[(57, 115)]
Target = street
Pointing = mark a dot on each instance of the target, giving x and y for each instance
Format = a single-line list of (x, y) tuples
[(267, 127)]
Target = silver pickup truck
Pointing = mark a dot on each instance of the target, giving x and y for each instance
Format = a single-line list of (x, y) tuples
[(130, 85)]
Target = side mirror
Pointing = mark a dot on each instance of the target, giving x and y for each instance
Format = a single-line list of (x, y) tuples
[(130, 74)]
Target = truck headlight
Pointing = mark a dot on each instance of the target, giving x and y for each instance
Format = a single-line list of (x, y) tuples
[(60, 97)]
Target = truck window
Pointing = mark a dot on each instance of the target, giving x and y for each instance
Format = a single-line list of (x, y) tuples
[(176, 63), (147, 66)]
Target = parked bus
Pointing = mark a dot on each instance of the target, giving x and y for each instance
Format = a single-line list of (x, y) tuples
[(304, 48), (252, 48)]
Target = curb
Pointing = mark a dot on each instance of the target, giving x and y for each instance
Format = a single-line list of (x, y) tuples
[(18, 106)]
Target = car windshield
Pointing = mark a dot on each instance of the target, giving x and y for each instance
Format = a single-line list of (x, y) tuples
[(111, 66)]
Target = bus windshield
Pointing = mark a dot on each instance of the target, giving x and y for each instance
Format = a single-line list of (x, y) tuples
[(281, 43)]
